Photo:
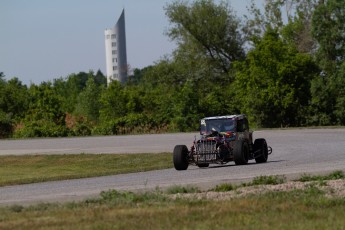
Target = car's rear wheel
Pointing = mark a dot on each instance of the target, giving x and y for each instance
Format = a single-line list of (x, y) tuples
[(203, 165), (241, 152), (261, 144), (180, 157)]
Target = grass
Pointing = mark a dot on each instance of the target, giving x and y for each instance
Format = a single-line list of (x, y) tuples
[(224, 188), (332, 176), (297, 209), (39, 168), (182, 189), (260, 180)]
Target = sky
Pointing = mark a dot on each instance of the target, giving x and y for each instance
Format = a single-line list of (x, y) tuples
[(42, 40)]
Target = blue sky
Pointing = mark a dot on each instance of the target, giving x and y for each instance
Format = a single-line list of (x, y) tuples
[(41, 40)]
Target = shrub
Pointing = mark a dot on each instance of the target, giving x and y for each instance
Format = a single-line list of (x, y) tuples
[(224, 188), (263, 180), (180, 189)]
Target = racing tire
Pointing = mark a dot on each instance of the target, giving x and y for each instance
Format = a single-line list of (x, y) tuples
[(261, 144), (241, 153), (203, 165), (180, 157)]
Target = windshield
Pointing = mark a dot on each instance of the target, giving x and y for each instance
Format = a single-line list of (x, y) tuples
[(221, 125)]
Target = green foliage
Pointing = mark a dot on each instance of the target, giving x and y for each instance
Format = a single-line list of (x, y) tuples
[(322, 101), (131, 123), (260, 180), (292, 19), (224, 188), (88, 101), (113, 102), (13, 104), (265, 180), (332, 176), (273, 83), (41, 128), (5, 125), (327, 104), (70, 87), (116, 198), (44, 117), (339, 95), (297, 32), (209, 30), (182, 189), (329, 16), (14, 98), (328, 96)]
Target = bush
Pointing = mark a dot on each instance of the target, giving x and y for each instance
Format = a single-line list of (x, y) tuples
[(332, 176), (224, 188), (180, 189), (6, 126), (41, 128), (114, 197), (130, 124), (264, 180)]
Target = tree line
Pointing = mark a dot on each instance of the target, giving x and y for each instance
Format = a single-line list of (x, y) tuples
[(283, 65)]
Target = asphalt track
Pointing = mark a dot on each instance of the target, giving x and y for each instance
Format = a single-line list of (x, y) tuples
[(295, 152)]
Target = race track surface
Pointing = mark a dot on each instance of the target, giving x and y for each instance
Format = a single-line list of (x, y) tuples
[(295, 152)]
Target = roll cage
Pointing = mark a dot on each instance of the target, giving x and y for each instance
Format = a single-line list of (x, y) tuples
[(224, 124)]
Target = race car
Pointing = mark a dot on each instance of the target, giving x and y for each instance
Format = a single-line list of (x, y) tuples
[(223, 139)]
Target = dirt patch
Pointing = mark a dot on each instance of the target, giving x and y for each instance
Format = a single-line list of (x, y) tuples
[(332, 188)]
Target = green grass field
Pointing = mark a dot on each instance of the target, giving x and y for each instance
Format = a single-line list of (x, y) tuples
[(39, 168)]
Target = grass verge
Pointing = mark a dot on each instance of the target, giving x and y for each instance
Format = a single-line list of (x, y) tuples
[(39, 168), (260, 180), (332, 176), (296, 209)]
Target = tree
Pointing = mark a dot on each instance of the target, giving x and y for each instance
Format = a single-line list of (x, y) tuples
[(339, 82), (113, 102), (290, 18), (15, 99), (209, 31), (100, 79), (185, 109), (5, 118), (257, 23), (273, 83), (45, 117), (298, 29), (88, 101), (328, 28), (70, 87), (159, 85), (13, 104)]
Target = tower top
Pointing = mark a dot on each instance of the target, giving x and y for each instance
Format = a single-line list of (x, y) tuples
[(115, 49)]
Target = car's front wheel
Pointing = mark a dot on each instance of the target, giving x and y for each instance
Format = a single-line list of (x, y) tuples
[(180, 157)]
